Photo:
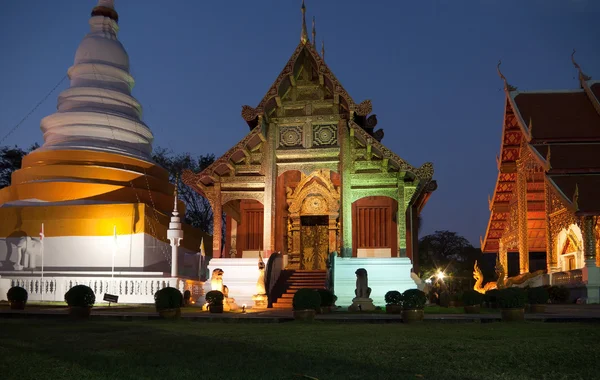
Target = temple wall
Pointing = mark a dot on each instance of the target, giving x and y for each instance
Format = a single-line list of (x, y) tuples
[(384, 274)]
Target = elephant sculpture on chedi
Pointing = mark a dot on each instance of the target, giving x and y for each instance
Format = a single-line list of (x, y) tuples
[(22, 252)]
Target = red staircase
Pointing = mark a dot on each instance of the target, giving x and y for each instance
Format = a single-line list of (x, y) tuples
[(312, 279)]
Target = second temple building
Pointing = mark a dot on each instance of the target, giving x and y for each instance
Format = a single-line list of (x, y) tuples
[(313, 181)]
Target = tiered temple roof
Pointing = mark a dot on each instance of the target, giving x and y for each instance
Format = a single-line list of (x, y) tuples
[(561, 131)]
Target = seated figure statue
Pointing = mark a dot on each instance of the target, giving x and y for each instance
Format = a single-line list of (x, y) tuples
[(362, 302), (362, 284)]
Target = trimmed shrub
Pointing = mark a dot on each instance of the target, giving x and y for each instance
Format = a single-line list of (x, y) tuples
[(306, 299), (558, 294), (215, 297), (538, 295), (168, 298), (80, 296), (491, 297), (512, 298), (17, 294), (393, 297), (413, 299), (187, 295), (326, 297), (472, 298), (445, 299)]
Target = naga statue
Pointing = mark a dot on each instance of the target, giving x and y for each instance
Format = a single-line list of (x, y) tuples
[(502, 281)]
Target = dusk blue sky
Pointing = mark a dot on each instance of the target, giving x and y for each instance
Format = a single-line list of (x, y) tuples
[(428, 66)]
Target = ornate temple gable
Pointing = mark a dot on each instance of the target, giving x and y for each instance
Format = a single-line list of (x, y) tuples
[(366, 148), (241, 167), (315, 194)]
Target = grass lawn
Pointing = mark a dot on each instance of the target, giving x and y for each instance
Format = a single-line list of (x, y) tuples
[(61, 349)]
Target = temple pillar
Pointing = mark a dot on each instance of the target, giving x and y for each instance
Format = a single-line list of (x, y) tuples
[(346, 137), (401, 221), (551, 259), (591, 272), (523, 235), (233, 238), (503, 257), (270, 172), (217, 208)]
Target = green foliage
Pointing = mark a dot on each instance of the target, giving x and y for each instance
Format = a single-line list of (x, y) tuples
[(413, 299), (214, 297), (326, 297), (168, 298), (80, 296), (538, 295), (10, 161), (558, 294), (393, 297), (472, 298), (16, 294), (306, 299), (198, 212), (491, 296), (445, 299), (512, 298)]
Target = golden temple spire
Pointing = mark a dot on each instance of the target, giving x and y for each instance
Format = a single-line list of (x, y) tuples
[(323, 49), (304, 34), (507, 86), (314, 34), (582, 76)]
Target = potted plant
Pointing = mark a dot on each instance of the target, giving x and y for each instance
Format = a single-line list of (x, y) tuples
[(413, 302), (168, 302), (215, 298), (80, 299), (559, 294), (472, 301), (305, 303), (17, 297), (538, 298), (491, 298), (512, 303), (327, 300), (393, 302)]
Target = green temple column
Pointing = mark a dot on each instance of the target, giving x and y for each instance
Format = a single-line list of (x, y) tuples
[(591, 273), (401, 221), (346, 162), (270, 170)]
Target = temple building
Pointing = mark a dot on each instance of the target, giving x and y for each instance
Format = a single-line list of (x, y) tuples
[(92, 191), (546, 196), (313, 181)]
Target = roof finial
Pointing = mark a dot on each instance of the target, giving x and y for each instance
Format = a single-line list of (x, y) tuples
[(323, 49), (106, 8), (175, 196), (548, 156), (582, 76), (304, 34), (530, 127), (576, 198), (314, 34), (507, 86)]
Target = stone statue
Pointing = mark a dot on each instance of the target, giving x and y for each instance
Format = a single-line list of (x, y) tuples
[(362, 284), (216, 283), (260, 298), (362, 302), (27, 250)]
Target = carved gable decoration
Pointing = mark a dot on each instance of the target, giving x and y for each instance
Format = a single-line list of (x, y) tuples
[(324, 135), (290, 137), (314, 195)]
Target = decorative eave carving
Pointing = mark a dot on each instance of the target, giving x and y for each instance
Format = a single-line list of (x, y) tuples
[(424, 173)]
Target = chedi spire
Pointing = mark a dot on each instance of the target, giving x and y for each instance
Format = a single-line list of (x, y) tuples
[(304, 33), (98, 112)]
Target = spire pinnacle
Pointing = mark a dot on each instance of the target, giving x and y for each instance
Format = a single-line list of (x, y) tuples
[(175, 196), (323, 49), (304, 33), (582, 76), (314, 34), (507, 86), (106, 8)]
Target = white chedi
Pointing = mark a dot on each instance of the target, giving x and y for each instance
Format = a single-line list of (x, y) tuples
[(97, 111)]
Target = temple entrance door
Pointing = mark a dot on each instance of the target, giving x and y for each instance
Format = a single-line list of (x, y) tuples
[(314, 236)]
